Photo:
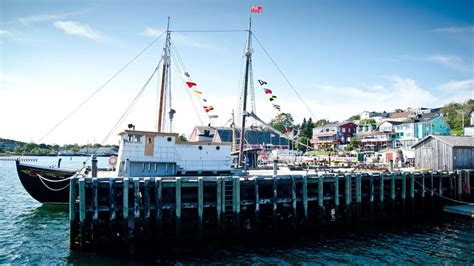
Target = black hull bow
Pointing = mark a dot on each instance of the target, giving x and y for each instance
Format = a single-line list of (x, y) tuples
[(46, 185)]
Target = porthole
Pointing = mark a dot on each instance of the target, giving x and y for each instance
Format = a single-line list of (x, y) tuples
[(218, 148), (200, 148), (169, 139)]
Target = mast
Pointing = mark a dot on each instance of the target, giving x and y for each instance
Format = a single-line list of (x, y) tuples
[(248, 55), (166, 64)]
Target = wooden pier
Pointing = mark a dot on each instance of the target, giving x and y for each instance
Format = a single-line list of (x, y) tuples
[(156, 210)]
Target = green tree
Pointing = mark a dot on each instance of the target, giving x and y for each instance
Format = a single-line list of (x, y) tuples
[(354, 118), (453, 114), (182, 138), (304, 140), (368, 121), (321, 122), (282, 121)]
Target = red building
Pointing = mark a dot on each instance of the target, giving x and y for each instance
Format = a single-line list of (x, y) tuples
[(331, 135)]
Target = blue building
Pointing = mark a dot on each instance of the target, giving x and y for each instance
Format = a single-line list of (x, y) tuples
[(409, 132)]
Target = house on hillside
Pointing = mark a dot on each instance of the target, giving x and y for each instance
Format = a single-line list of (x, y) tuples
[(331, 135), (375, 140), (409, 132), (400, 116), (469, 130), (444, 153)]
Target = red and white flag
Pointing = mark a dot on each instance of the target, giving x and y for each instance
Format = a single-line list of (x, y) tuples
[(256, 9)]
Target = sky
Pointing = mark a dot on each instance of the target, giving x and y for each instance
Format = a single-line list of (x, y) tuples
[(341, 57)]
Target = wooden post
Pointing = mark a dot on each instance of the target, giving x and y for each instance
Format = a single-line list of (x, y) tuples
[(432, 185), (372, 189), (412, 185), (423, 189), (200, 206), (112, 203), (178, 207), (336, 192), (348, 190), (219, 200), (305, 197), (95, 200), (125, 198), (441, 183), (468, 181), (82, 212), (158, 210), (274, 201), (459, 184), (72, 212), (146, 203), (382, 191), (359, 188), (404, 186), (321, 198), (136, 197), (293, 199), (392, 187), (257, 203), (236, 202)]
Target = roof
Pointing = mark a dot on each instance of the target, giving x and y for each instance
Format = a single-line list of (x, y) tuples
[(392, 122), (333, 125), (403, 114), (426, 117), (454, 141), (252, 136)]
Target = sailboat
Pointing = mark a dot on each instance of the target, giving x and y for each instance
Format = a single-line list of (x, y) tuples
[(141, 153)]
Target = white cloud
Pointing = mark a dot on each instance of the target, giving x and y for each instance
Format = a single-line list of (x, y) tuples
[(469, 29), (340, 102), (178, 38), (75, 28), (453, 62), (46, 17), (458, 85), (4, 33)]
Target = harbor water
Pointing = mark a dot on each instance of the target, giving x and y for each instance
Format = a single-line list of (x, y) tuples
[(34, 233)]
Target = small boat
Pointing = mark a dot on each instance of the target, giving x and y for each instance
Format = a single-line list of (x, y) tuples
[(45, 184)]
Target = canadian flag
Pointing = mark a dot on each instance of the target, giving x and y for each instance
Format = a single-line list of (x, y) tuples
[(256, 9)]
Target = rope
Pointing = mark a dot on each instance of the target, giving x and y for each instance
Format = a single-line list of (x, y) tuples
[(53, 181), (132, 104), (284, 76), (441, 196), (100, 88), (50, 188)]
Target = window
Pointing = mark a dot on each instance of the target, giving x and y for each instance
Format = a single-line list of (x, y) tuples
[(349, 130), (200, 148), (169, 139), (344, 130), (149, 141), (218, 148)]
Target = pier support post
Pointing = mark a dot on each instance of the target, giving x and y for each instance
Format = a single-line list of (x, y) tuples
[(305, 198), (82, 212), (136, 198), (293, 201), (219, 200), (321, 198), (200, 207), (257, 204), (126, 182), (95, 208), (236, 202), (459, 184), (158, 210), (72, 212), (381, 191), (336, 193), (112, 215), (94, 166), (178, 207), (274, 201), (275, 167), (392, 187), (412, 185)]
